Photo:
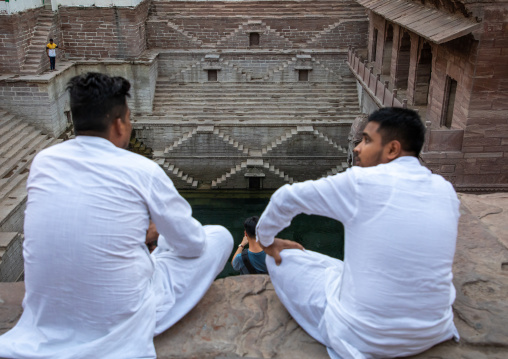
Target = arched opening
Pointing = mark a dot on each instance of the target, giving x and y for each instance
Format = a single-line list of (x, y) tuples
[(387, 52), (403, 59), (423, 73)]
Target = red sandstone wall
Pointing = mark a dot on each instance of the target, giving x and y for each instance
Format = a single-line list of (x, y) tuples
[(15, 34), (104, 32), (486, 136), (283, 25), (483, 162)]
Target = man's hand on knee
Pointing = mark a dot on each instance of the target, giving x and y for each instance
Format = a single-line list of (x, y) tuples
[(151, 237), (278, 245)]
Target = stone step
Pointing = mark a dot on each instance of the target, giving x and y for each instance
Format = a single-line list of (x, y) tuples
[(19, 137), (16, 166), (294, 86), (290, 106), (8, 122), (290, 119), (171, 112)]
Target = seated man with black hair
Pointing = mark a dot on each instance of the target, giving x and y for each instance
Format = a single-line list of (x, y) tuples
[(392, 295), (93, 290), (251, 260)]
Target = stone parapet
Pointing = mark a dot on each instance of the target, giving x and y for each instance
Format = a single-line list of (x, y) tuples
[(43, 101), (242, 316)]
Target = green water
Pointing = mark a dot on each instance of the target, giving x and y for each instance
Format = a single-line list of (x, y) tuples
[(231, 208)]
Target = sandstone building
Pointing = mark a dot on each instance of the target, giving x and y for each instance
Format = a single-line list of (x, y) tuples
[(256, 94)]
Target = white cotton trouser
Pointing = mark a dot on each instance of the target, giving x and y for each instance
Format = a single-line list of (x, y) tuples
[(300, 283), (180, 283)]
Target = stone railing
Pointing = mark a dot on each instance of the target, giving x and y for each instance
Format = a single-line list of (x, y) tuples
[(372, 83)]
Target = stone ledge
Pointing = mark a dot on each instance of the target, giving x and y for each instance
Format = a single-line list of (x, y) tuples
[(242, 316)]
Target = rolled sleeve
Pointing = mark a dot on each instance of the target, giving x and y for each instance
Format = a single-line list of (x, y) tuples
[(237, 262), (332, 197)]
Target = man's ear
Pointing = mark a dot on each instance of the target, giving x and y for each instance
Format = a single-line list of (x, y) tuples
[(116, 126), (394, 150)]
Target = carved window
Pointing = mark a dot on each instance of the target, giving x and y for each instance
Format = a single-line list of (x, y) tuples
[(423, 75), (254, 39), (303, 75), (403, 60), (387, 52), (449, 102), (212, 75), (374, 46)]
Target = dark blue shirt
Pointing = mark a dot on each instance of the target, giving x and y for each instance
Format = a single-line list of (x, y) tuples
[(256, 259)]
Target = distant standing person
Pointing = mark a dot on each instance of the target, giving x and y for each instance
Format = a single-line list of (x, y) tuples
[(51, 51), (251, 260)]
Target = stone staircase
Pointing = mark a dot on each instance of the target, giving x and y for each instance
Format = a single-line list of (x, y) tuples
[(228, 174), (162, 9), (254, 101), (189, 36), (181, 140), (339, 168), (211, 24), (278, 172), (229, 140), (259, 25), (11, 256), (279, 68), (244, 164), (330, 142), (174, 171), (19, 143), (36, 53)]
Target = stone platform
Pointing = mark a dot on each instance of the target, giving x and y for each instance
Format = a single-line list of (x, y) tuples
[(242, 317)]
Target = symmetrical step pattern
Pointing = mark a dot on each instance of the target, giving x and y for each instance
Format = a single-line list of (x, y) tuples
[(181, 140), (212, 24), (228, 174), (243, 165), (173, 171), (228, 139), (256, 101), (36, 51), (340, 168), (278, 172), (331, 142), (19, 143), (279, 141)]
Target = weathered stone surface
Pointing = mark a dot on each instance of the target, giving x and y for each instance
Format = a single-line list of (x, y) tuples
[(355, 136), (11, 296), (242, 317), (239, 316)]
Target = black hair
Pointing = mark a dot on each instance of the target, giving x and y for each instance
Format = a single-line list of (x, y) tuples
[(400, 124), (250, 226), (97, 100), (50, 40)]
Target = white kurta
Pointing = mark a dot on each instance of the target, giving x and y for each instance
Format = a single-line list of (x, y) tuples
[(392, 295), (92, 288)]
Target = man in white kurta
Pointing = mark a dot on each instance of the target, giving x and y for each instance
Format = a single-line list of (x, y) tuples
[(392, 294), (93, 290)]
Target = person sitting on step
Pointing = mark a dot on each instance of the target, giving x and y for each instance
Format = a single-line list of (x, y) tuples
[(251, 260)]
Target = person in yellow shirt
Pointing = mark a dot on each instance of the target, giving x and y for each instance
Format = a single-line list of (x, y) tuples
[(51, 51)]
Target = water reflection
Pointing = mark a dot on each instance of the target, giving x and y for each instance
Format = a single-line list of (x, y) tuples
[(231, 208)]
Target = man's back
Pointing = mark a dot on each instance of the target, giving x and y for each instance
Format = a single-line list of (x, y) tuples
[(87, 269), (399, 247)]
